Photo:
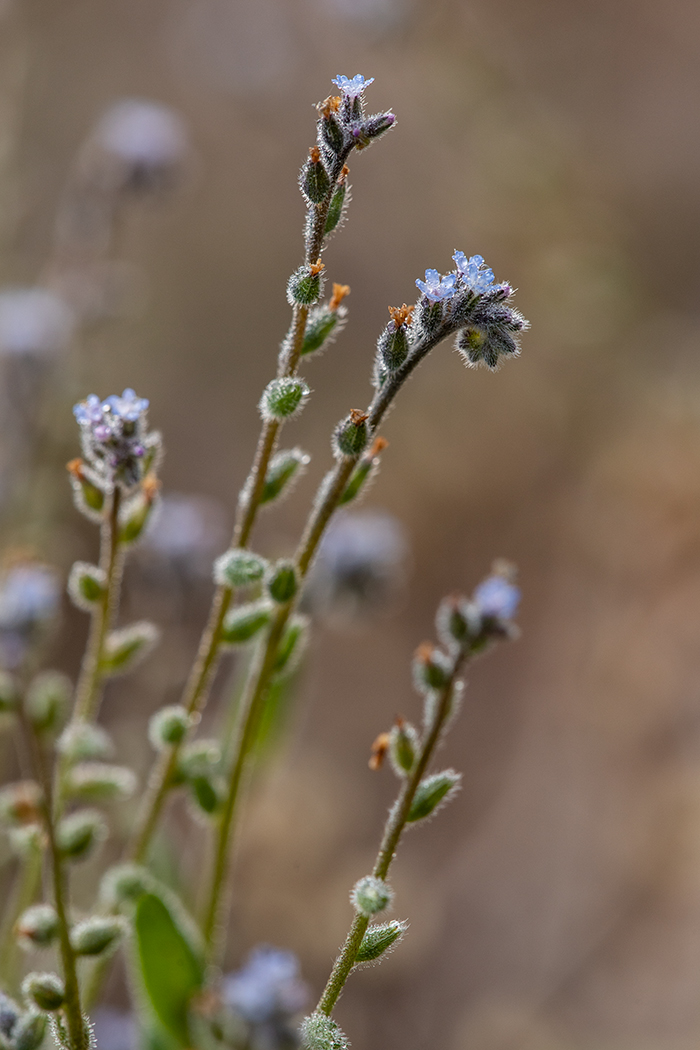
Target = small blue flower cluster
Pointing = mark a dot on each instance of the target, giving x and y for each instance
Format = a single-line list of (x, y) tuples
[(496, 596), (268, 990), (472, 274), (114, 435)]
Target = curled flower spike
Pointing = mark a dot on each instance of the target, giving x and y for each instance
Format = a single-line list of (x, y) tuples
[(114, 435), (474, 272), (352, 88), (437, 288)]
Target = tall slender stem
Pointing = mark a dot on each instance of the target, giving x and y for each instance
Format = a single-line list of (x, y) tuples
[(72, 1005), (396, 822)]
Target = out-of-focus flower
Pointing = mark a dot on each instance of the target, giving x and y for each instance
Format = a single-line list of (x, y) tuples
[(34, 321), (352, 87), (496, 596), (474, 272), (187, 531), (268, 989), (114, 1029), (148, 141), (114, 435), (360, 566), (29, 600), (436, 287)]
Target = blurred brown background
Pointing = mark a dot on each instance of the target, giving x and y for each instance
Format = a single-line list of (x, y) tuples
[(556, 904)]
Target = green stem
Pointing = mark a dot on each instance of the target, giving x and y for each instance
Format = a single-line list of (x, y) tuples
[(396, 822), (72, 1005), (88, 689)]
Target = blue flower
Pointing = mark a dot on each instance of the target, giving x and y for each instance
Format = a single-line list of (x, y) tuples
[(497, 597), (268, 988), (474, 272), (436, 287), (127, 407), (88, 411), (352, 88), (29, 595)]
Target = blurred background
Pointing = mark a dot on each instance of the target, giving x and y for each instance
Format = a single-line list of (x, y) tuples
[(555, 905)]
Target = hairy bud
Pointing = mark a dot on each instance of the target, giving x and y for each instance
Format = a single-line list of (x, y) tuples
[(350, 435), (371, 895), (46, 990), (318, 1032), (432, 668), (282, 582), (21, 803), (305, 285), (169, 726), (89, 497), (239, 568), (403, 747), (96, 935), (78, 834), (245, 622), (283, 469), (100, 782), (83, 741), (87, 585), (378, 939), (47, 700), (37, 927), (126, 647), (314, 177), (291, 646), (283, 398), (440, 787), (124, 882)]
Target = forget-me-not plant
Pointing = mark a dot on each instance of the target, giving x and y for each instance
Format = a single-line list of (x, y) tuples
[(56, 815)]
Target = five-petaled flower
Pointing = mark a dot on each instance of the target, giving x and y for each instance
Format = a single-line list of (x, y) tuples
[(436, 287), (352, 88), (474, 272)]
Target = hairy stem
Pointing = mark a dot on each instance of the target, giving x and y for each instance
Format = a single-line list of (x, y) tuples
[(396, 822)]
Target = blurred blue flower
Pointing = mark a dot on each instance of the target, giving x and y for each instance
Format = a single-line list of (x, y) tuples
[(352, 88), (436, 287), (495, 596), (268, 988), (474, 272), (114, 434), (34, 321), (128, 407), (29, 595)]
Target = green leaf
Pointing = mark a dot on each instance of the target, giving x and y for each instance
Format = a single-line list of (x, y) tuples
[(171, 968)]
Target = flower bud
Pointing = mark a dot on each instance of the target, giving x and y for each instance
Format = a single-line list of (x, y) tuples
[(331, 132), (87, 585), (245, 621), (199, 758), (457, 621), (124, 882), (393, 346), (282, 582), (95, 935), (78, 834), (284, 468), (432, 668), (135, 515), (284, 397), (88, 496), (9, 693), (364, 471), (29, 1031), (21, 803), (37, 927), (375, 126), (99, 782), (371, 895), (305, 285), (322, 324), (128, 646), (45, 989), (431, 792), (169, 726), (378, 939), (336, 208), (207, 793), (350, 435), (239, 568), (318, 1032), (291, 646), (47, 700), (83, 741), (314, 177), (403, 747)]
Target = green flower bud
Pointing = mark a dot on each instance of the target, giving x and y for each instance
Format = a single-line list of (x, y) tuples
[(457, 621), (304, 286), (21, 803), (245, 621), (283, 398), (284, 468), (135, 515), (37, 927), (29, 1032), (128, 646), (371, 895), (9, 693), (77, 835), (431, 668), (431, 792), (239, 568), (314, 177), (47, 700), (336, 207), (168, 726), (89, 498), (44, 989), (393, 344), (282, 583), (378, 939), (364, 471), (350, 436), (124, 882), (81, 741), (87, 585), (100, 782), (403, 747), (95, 935), (291, 646), (207, 793), (199, 758), (331, 131), (318, 1032)]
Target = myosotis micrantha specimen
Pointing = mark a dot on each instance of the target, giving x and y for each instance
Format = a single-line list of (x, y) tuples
[(56, 814)]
